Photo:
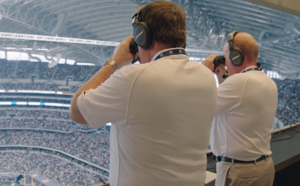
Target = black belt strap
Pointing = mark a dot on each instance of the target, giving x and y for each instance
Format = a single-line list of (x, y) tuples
[(230, 160)]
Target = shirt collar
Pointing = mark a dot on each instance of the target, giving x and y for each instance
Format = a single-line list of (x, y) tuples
[(162, 51), (253, 66)]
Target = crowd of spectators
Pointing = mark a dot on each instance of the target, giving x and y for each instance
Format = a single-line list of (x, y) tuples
[(38, 118), (33, 123), (288, 110), (48, 86), (9, 160), (92, 147), (25, 123), (4, 122), (7, 69), (23, 69), (26, 69), (54, 167), (35, 112), (30, 86)]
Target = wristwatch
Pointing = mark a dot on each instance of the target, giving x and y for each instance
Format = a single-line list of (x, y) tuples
[(111, 63)]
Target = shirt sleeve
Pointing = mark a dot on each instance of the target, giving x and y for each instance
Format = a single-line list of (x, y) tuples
[(107, 103), (230, 94)]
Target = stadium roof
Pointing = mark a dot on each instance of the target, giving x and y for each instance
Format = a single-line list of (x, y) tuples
[(208, 23)]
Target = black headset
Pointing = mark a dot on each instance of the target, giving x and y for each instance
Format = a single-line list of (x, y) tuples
[(142, 34), (236, 55)]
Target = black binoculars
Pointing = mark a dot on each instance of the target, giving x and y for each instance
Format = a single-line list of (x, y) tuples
[(133, 48), (219, 60)]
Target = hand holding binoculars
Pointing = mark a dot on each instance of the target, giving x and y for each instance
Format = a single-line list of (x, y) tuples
[(133, 48)]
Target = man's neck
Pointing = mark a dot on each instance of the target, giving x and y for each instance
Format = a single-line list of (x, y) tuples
[(157, 48), (243, 67)]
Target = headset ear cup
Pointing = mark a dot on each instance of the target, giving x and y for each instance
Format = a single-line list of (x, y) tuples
[(236, 56), (143, 36)]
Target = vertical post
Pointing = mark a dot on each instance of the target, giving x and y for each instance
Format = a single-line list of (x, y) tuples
[(24, 178)]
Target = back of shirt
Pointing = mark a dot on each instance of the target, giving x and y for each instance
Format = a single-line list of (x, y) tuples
[(246, 109), (165, 137)]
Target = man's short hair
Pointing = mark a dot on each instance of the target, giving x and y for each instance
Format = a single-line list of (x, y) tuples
[(166, 21)]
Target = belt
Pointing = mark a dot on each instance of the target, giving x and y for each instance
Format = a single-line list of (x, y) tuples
[(230, 160)]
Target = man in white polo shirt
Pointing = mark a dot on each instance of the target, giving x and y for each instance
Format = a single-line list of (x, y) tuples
[(161, 110), (242, 127)]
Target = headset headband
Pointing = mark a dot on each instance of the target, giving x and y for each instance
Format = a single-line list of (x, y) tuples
[(135, 16), (230, 38)]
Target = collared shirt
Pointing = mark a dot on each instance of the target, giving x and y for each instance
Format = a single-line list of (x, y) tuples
[(161, 114), (246, 109), (248, 68)]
